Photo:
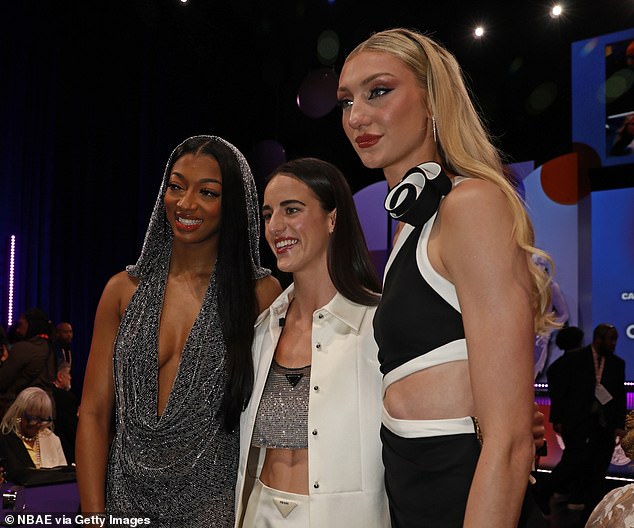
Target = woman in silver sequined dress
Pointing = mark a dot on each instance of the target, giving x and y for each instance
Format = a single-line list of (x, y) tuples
[(170, 364)]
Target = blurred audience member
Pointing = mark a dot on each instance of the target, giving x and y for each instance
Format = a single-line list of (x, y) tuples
[(62, 342), (4, 346), (569, 338), (66, 409), (4, 355), (30, 362), (588, 408), (616, 510), (26, 440), (13, 334)]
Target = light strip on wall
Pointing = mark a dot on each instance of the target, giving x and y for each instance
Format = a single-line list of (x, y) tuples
[(11, 281)]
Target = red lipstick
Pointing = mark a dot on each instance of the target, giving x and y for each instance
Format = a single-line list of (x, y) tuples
[(367, 140)]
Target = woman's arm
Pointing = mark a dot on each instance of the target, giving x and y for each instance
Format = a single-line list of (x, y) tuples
[(492, 281), (94, 429)]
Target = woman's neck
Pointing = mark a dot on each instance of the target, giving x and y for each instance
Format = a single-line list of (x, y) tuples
[(312, 293), (193, 259)]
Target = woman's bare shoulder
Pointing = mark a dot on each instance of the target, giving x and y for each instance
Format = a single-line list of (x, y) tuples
[(475, 189), (474, 203), (119, 290), (267, 289)]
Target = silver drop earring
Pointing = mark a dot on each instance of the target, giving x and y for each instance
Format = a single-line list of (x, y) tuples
[(433, 128)]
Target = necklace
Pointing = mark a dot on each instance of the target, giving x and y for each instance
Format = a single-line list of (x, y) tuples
[(34, 442), (28, 439)]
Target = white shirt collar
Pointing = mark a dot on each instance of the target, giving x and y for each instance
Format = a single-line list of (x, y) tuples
[(348, 312)]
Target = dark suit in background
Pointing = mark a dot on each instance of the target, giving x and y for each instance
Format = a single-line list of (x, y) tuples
[(588, 428), (31, 363), (65, 423)]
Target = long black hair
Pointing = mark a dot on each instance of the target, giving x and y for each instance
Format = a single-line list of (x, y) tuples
[(349, 265), (237, 302)]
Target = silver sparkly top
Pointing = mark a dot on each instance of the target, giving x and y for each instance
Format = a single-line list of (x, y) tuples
[(178, 468), (282, 418)]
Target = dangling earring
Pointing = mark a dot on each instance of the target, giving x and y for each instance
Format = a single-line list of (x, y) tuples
[(433, 128)]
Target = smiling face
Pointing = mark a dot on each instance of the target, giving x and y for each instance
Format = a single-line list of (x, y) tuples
[(384, 113), (297, 227), (193, 199)]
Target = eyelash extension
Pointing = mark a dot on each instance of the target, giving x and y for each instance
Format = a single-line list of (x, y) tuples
[(379, 89)]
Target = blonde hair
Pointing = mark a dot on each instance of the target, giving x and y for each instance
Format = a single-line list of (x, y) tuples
[(31, 400), (463, 143)]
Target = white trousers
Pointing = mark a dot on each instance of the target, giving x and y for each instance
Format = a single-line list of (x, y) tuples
[(271, 508)]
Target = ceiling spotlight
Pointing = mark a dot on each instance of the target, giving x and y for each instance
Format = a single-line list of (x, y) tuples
[(479, 32), (183, 1), (556, 11)]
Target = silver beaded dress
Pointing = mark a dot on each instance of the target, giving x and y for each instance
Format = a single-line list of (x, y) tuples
[(179, 469)]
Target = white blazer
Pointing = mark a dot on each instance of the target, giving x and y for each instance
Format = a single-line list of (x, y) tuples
[(345, 469)]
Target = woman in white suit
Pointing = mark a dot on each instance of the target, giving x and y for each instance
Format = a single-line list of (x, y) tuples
[(312, 424)]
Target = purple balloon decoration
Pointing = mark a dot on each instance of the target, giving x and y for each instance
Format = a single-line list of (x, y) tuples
[(317, 94)]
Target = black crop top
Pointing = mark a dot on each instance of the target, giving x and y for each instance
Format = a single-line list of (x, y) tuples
[(412, 318)]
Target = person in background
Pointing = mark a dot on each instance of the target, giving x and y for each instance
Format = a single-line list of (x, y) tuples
[(26, 439), (4, 346), (13, 334), (569, 338), (5, 400), (31, 361), (178, 329), (588, 407), (62, 343), (313, 419), (66, 411), (462, 298), (616, 509)]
